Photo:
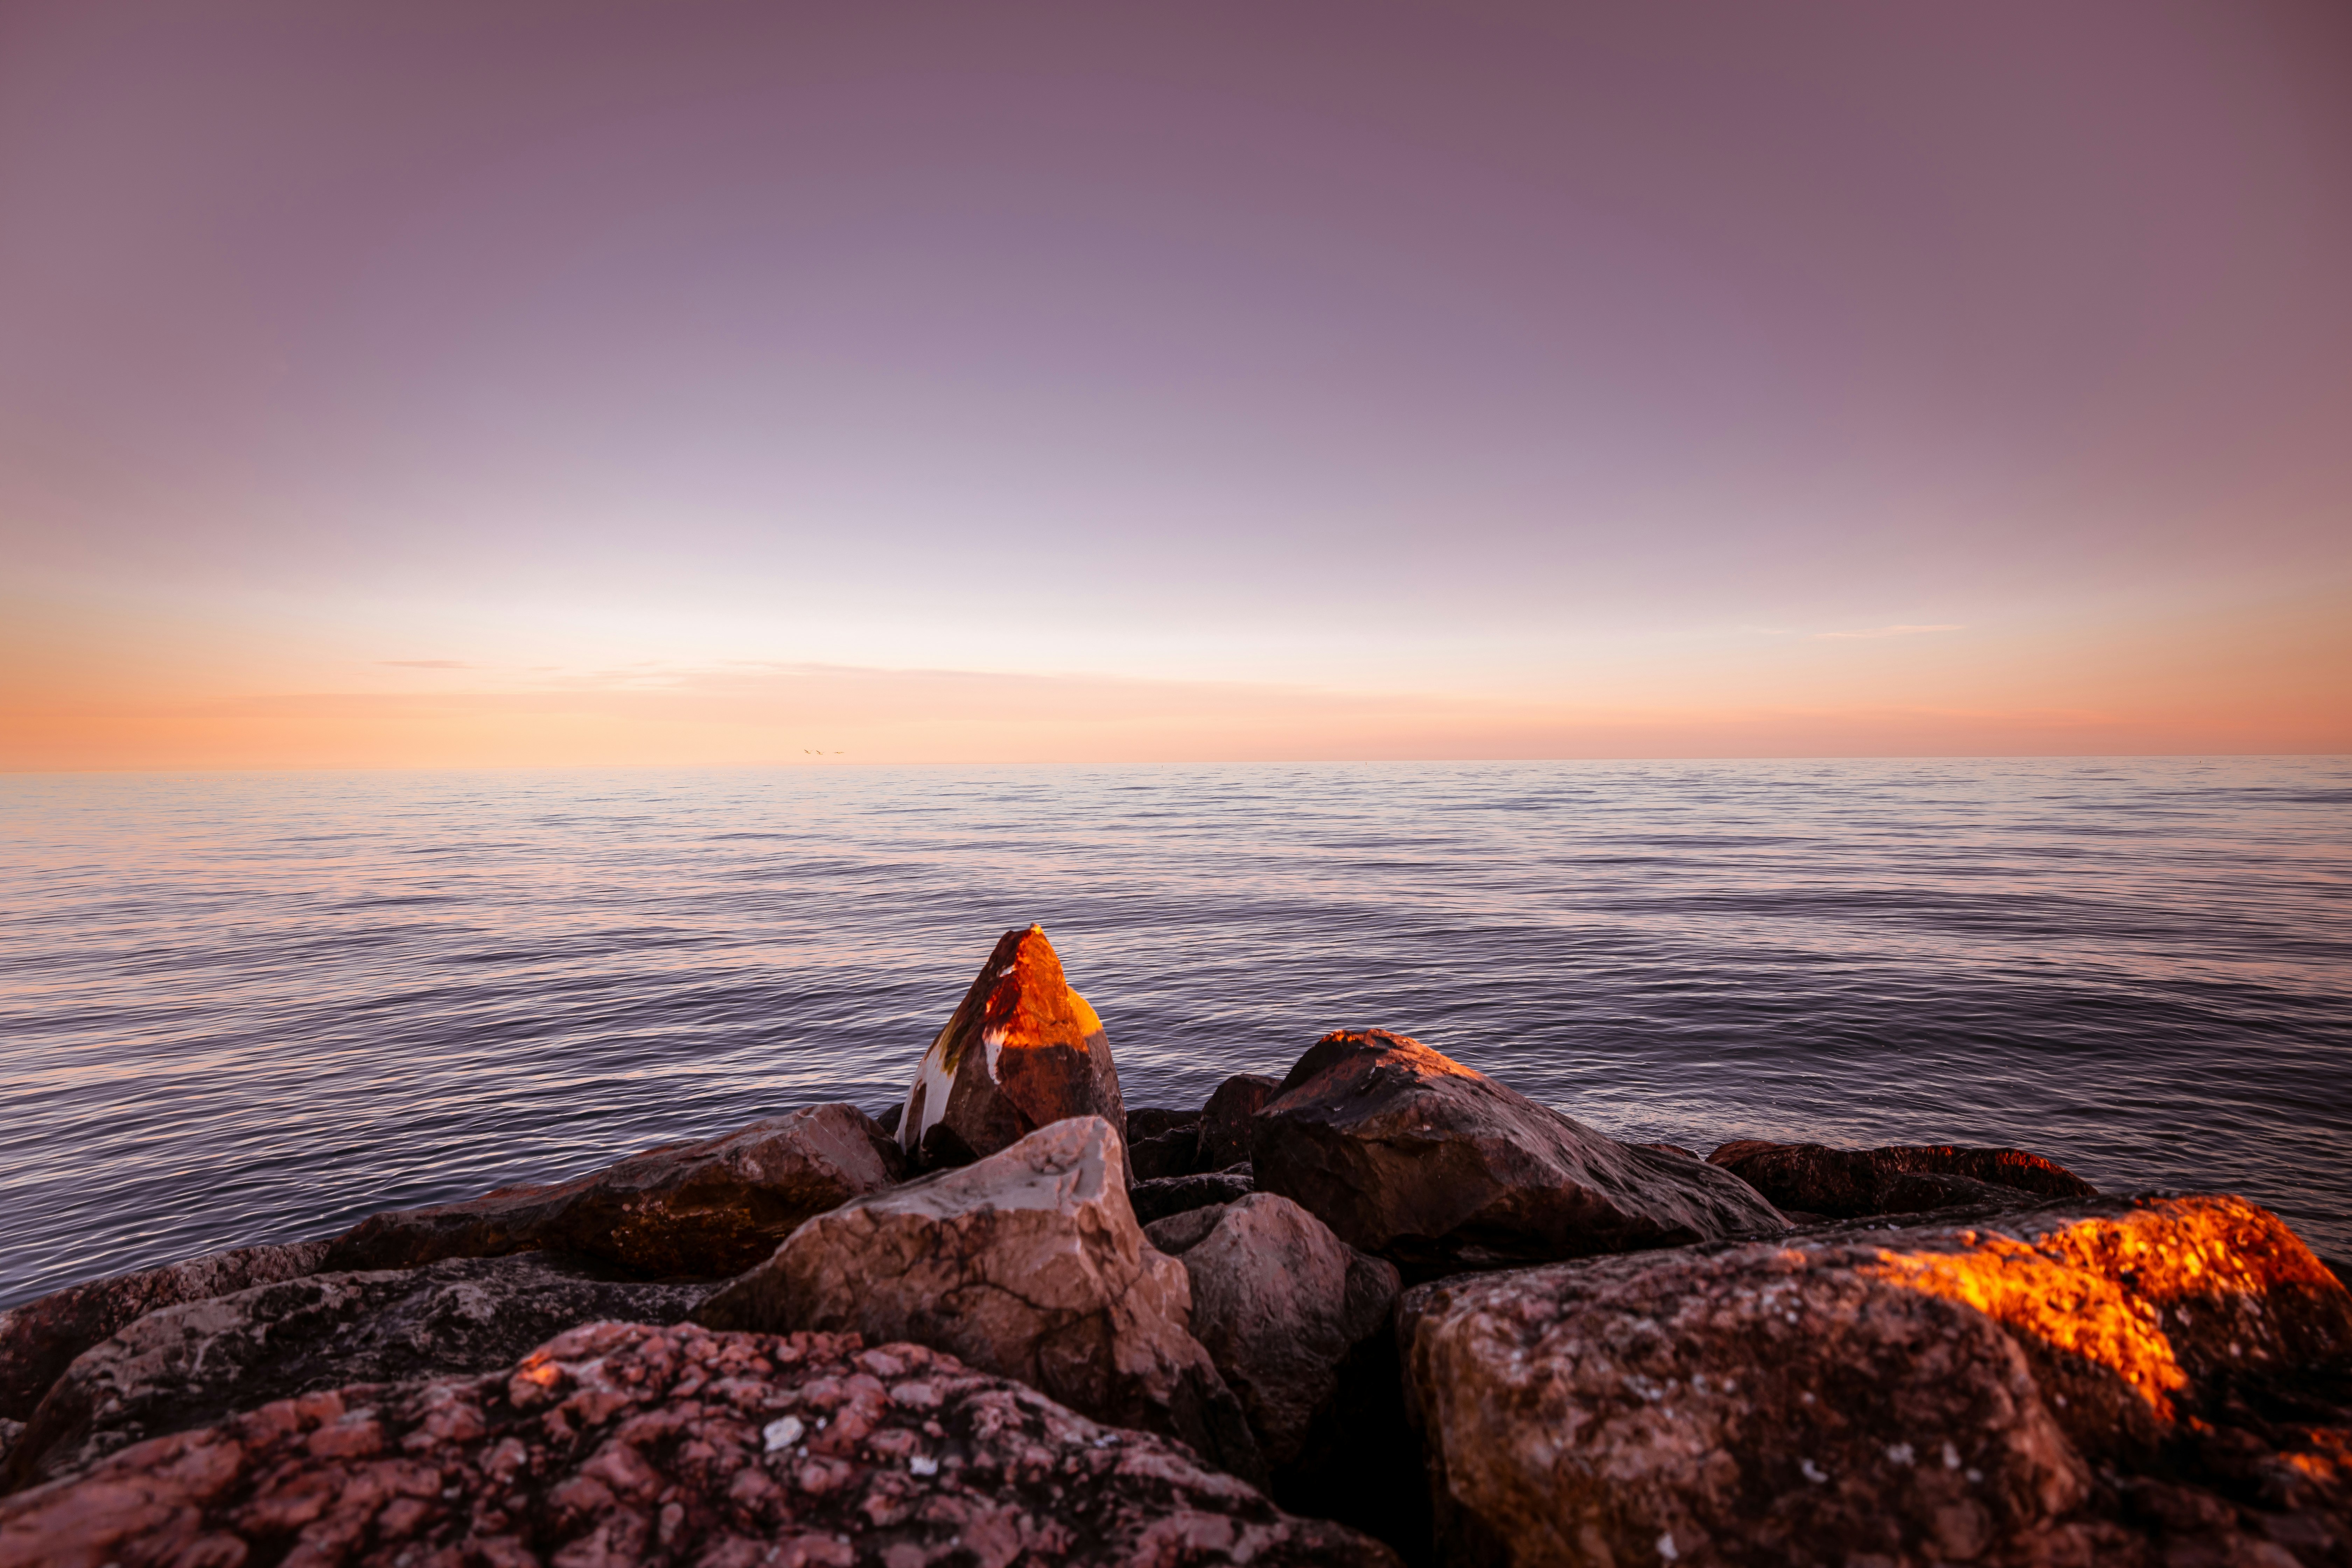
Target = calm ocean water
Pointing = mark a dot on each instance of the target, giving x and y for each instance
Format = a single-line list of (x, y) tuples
[(256, 1008)]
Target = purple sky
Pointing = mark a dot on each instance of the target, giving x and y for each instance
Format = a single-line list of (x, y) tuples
[(1614, 359)]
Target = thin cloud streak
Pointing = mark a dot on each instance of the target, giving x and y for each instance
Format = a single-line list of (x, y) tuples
[(1882, 632)]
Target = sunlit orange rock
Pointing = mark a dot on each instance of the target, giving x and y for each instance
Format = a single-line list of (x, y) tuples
[(2150, 1381), (1410, 1156), (1022, 1051)]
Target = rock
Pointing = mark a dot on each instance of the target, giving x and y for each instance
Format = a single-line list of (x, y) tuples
[(1022, 1051), (40, 1338), (1675, 1149), (703, 1210), (1279, 1302), (1171, 1154), (191, 1364), (2094, 1381), (1845, 1184), (1156, 1200), (888, 1117), (1154, 1121), (1225, 1120), (627, 1444), (1417, 1159), (1028, 1264)]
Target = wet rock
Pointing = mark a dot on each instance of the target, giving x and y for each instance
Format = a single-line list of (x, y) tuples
[(703, 1210), (1171, 1153), (1156, 1200), (191, 1364), (1022, 1051), (1225, 1120), (888, 1117), (40, 1338), (1845, 1184), (1279, 1302), (1155, 1120), (2166, 1381), (1672, 1149), (626, 1444), (1028, 1264), (1413, 1157)]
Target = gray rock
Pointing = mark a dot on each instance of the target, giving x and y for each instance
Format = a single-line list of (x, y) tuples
[(191, 1364), (700, 1210), (40, 1338), (1280, 1302), (620, 1444), (1028, 1264), (2092, 1382), (1413, 1157)]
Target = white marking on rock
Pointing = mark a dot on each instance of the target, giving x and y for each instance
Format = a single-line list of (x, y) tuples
[(1900, 1453), (1667, 1547), (992, 1042), (1812, 1471), (781, 1433), (1952, 1458), (923, 1465)]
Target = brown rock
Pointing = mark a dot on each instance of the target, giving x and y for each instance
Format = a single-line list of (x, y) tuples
[(1845, 1184), (1416, 1158), (703, 1210), (1156, 1120), (1169, 1153), (1279, 1302), (1225, 1120), (40, 1338), (189, 1365), (2168, 1381), (625, 1444), (1029, 1264), (1022, 1051), (1166, 1195)]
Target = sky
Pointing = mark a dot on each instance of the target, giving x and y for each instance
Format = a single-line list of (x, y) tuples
[(447, 384)]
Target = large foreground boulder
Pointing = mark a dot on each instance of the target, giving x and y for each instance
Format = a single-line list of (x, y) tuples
[(40, 1338), (1279, 1303), (625, 1444), (1908, 1178), (1029, 1264), (189, 1365), (703, 1210), (1022, 1051), (1413, 1157), (2162, 1382)]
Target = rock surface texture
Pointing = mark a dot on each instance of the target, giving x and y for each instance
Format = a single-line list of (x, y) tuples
[(1846, 1184), (625, 1444), (1028, 1264), (1413, 1157), (2159, 1382), (702, 1210), (191, 1364), (1022, 1051), (40, 1338), (1225, 1120), (1280, 1302), (1156, 1200)]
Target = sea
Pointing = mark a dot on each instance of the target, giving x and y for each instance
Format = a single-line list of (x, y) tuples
[(252, 1007)]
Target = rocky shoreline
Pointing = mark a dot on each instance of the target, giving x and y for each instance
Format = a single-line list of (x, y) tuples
[(1380, 1310)]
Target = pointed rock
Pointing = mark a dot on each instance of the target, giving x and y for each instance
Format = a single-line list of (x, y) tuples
[(1028, 1264), (1022, 1051), (1415, 1158), (1225, 1120)]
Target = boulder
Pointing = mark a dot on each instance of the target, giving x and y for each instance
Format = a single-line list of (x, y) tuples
[(704, 1210), (1156, 1200), (1157, 1120), (1169, 1153), (1912, 1178), (1413, 1157), (190, 1365), (1279, 1302), (2166, 1381), (1225, 1120), (628, 1444), (1022, 1051), (1028, 1264), (40, 1338)]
